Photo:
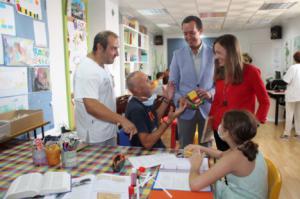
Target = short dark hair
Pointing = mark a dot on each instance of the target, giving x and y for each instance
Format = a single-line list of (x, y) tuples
[(297, 57), (196, 19), (102, 39)]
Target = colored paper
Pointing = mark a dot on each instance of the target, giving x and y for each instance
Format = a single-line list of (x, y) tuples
[(17, 51), (41, 56), (76, 9), (7, 19), (40, 34), (31, 8), (13, 81)]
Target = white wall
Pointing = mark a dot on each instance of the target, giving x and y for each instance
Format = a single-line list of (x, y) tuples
[(104, 15), (254, 42), (267, 54), (57, 63)]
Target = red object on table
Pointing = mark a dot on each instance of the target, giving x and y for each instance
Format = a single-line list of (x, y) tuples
[(159, 194), (173, 132)]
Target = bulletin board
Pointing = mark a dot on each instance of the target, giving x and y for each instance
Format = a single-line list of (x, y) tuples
[(25, 81), (76, 44)]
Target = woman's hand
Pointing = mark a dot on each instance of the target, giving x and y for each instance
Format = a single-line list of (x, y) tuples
[(196, 160)]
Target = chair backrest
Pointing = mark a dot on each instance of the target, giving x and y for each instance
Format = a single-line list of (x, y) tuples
[(123, 138), (274, 179), (122, 103)]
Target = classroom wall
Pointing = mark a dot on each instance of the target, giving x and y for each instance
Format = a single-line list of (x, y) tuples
[(57, 63), (104, 15)]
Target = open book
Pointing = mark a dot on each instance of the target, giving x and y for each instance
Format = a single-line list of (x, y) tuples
[(33, 184), (175, 175)]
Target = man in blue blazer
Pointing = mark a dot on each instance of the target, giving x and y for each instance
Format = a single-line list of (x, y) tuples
[(192, 68)]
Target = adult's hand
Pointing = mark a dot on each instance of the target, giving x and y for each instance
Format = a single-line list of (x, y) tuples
[(203, 94), (128, 127), (169, 91)]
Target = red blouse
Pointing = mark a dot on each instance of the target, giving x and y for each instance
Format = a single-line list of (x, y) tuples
[(241, 96)]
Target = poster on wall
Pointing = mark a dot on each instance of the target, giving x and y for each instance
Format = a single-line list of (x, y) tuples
[(17, 51), (296, 44), (77, 45), (41, 56), (76, 9), (15, 84), (288, 53), (40, 79), (7, 19), (13, 103), (40, 33), (31, 8), (1, 51)]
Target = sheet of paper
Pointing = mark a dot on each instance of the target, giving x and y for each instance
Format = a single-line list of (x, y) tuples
[(108, 185), (174, 181), (148, 161), (17, 51), (78, 192), (40, 34), (15, 84), (13, 103), (30, 8), (174, 174), (7, 19), (183, 164)]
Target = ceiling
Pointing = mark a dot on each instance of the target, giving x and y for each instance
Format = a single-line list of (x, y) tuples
[(216, 15)]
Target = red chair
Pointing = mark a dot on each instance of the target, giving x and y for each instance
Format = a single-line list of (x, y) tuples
[(173, 132)]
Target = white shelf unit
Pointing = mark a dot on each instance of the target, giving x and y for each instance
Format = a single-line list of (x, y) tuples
[(134, 52)]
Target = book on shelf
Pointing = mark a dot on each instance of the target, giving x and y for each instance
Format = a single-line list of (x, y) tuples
[(35, 184)]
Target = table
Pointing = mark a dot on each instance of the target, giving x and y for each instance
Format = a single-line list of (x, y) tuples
[(16, 160), (278, 96), (32, 128)]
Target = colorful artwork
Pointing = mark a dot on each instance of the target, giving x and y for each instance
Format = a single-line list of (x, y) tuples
[(76, 9), (17, 51), (287, 53), (15, 84), (77, 44), (7, 19), (40, 79), (31, 8), (13, 103), (41, 56)]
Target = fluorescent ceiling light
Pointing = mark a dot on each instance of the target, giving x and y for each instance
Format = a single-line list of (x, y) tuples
[(163, 25), (272, 6), (153, 11)]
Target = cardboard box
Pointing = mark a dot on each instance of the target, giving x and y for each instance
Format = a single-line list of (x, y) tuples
[(4, 129), (20, 120)]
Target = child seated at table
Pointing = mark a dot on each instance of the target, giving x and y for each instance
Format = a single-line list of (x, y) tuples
[(242, 164)]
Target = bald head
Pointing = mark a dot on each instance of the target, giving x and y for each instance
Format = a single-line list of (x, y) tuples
[(131, 80), (138, 84)]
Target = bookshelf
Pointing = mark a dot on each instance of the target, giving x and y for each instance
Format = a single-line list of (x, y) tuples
[(134, 52)]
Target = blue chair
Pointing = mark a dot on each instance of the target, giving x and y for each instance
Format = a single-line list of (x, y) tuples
[(123, 138)]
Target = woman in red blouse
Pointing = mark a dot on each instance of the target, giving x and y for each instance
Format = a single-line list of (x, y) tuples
[(237, 85)]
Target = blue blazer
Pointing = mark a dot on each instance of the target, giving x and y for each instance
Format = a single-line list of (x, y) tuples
[(183, 74)]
